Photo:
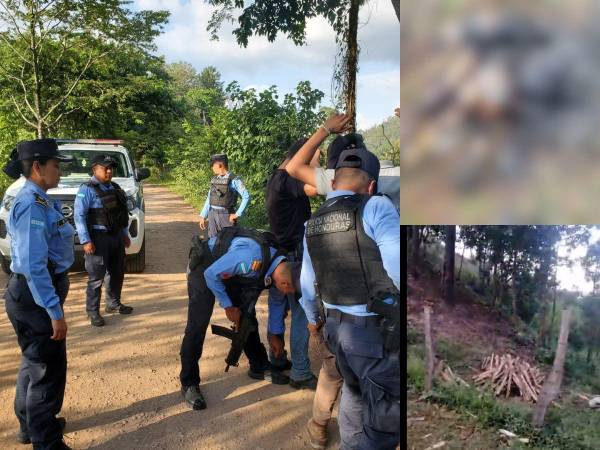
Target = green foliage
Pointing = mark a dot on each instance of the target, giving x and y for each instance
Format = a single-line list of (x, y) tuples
[(48, 48), (255, 134), (384, 140), (270, 17), (415, 372)]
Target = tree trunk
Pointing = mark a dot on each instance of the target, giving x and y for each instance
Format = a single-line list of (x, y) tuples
[(449, 253), (352, 62), (428, 348), (514, 287), (415, 251), (462, 257), (552, 384), (37, 91), (396, 4), (550, 331)]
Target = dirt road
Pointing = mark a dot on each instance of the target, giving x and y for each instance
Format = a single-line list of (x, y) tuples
[(122, 382)]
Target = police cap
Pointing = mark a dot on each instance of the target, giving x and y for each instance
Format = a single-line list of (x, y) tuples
[(104, 160), (360, 158), (39, 149), (220, 157)]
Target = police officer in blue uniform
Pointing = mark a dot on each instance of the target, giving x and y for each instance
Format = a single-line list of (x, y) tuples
[(102, 220), (351, 264), (42, 253), (234, 267), (220, 204)]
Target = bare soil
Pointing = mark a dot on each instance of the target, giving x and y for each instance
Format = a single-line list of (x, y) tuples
[(122, 381)]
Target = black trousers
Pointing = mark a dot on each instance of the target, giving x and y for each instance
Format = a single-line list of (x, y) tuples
[(200, 308), (42, 376), (107, 263)]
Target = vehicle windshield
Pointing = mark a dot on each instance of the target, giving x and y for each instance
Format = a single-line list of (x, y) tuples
[(81, 166)]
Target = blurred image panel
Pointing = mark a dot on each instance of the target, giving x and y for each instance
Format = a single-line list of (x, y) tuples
[(500, 111)]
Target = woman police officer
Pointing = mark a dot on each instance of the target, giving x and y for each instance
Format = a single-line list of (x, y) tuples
[(42, 253)]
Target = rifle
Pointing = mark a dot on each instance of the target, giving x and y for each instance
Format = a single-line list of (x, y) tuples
[(238, 338)]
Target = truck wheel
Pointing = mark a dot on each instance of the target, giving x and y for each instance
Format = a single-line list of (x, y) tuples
[(137, 263), (5, 265)]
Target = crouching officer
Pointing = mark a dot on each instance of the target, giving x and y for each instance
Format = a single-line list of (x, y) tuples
[(352, 264), (42, 252), (234, 267), (219, 206), (102, 220)]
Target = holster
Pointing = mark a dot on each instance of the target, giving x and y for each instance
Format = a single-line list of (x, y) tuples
[(390, 324)]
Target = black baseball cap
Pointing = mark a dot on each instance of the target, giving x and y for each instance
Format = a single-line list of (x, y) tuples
[(360, 158), (341, 143), (104, 160), (220, 157), (38, 149)]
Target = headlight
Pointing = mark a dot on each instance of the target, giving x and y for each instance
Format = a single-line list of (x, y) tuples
[(131, 203), (7, 202)]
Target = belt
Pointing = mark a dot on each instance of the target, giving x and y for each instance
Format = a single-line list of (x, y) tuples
[(363, 321), (54, 276)]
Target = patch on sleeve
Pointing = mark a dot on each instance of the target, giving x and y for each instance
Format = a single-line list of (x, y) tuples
[(38, 223), (240, 184), (244, 267), (81, 194), (256, 265), (40, 200)]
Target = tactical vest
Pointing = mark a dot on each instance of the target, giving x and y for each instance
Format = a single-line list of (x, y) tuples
[(347, 263), (222, 193), (265, 239), (113, 214)]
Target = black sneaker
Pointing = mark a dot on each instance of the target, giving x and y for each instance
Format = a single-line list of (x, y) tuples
[(23, 436), (309, 383), (274, 376), (193, 397), (120, 308), (96, 319)]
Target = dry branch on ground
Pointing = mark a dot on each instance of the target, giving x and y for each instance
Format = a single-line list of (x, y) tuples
[(507, 374)]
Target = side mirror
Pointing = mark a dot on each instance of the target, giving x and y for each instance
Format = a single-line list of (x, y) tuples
[(142, 173)]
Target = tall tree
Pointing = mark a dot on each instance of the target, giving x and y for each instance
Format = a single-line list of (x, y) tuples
[(269, 17), (42, 37), (449, 256), (591, 265)]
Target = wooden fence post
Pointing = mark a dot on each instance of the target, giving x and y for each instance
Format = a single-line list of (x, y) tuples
[(428, 348), (553, 381)]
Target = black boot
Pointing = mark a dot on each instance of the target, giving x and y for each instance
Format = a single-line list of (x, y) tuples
[(193, 397), (120, 308), (96, 319)]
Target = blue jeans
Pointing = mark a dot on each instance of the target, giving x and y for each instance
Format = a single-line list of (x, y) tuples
[(299, 332)]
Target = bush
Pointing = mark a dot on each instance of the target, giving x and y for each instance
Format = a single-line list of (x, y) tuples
[(415, 372)]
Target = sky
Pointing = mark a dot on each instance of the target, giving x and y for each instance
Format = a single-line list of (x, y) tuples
[(283, 64)]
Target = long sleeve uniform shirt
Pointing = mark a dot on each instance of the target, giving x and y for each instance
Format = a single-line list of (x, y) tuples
[(243, 258), (88, 198), (40, 233), (382, 224), (238, 185)]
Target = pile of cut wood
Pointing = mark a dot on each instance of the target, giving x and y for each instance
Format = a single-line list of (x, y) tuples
[(507, 374)]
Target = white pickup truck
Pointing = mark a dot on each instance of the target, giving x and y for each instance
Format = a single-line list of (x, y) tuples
[(74, 174)]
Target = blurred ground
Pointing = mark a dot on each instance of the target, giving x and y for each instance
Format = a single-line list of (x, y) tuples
[(122, 382)]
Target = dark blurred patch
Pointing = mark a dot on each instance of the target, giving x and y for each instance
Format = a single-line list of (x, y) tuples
[(500, 112)]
